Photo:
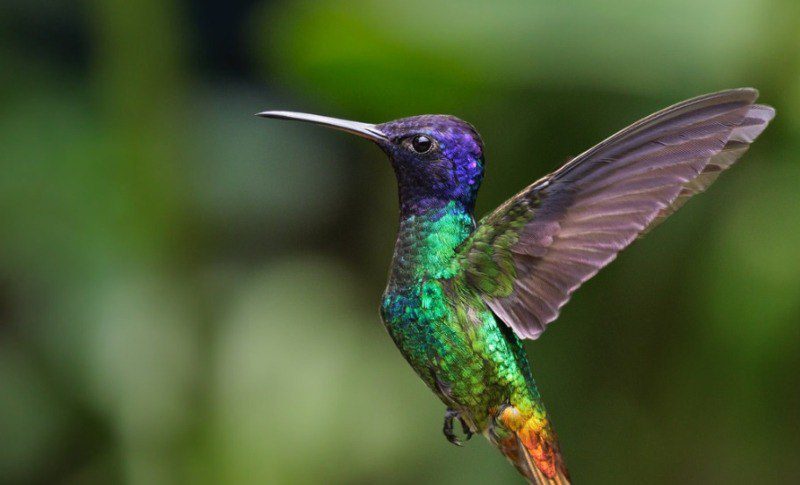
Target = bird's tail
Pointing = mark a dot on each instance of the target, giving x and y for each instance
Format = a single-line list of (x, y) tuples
[(530, 444)]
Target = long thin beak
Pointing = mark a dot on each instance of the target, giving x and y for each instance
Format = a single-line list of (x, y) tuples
[(364, 130)]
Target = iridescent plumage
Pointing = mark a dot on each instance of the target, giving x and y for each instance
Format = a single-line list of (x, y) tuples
[(461, 295)]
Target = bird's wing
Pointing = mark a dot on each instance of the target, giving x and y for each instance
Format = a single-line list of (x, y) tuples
[(528, 256)]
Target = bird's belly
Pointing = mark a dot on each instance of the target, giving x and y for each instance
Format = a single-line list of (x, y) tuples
[(469, 365)]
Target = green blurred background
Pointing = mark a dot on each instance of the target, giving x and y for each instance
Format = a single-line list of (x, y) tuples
[(188, 294)]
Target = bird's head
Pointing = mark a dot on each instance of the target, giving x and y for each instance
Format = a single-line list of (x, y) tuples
[(437, 158)]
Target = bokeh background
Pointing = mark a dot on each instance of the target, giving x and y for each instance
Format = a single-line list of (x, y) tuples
[(188, 294)]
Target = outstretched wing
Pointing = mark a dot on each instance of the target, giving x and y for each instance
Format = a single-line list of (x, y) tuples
[(528, 256)]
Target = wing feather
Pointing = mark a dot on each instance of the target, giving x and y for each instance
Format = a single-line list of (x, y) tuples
[(528, 256)]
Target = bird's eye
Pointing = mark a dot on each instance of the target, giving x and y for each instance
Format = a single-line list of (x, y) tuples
[(421, 143)]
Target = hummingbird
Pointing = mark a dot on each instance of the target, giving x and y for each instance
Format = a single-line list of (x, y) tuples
[(462, 295)]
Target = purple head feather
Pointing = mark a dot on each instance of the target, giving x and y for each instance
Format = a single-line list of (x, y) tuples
[(451, 169)]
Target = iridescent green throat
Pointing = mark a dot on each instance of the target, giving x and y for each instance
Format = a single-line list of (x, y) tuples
[(426, 244)]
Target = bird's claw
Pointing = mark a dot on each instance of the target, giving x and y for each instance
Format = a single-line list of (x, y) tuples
[(465, 428), (448, 431)]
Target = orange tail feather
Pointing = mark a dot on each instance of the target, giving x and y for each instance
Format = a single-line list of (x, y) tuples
[(531, 446)]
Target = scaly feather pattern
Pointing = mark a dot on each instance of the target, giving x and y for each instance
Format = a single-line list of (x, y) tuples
[(476, 365)]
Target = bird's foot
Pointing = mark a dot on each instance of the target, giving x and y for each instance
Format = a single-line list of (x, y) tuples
[(447, 429)]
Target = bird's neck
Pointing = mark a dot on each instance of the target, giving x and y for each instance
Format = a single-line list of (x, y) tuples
[(426, 242)]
